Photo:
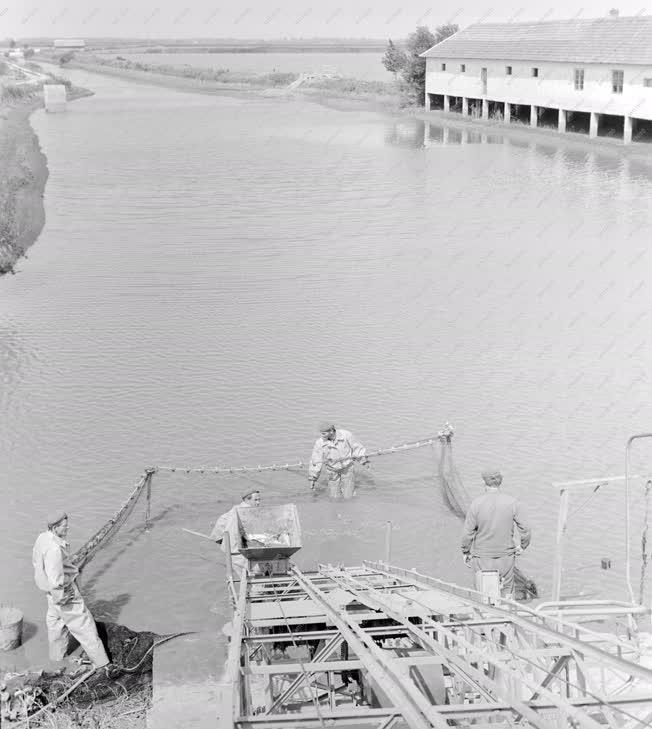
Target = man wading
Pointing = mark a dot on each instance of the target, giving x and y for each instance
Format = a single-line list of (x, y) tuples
[(67, 613), (488, 538), (337, 450)]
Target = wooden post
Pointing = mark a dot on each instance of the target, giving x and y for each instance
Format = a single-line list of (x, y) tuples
[(561, 531), (148, 507), (388, 542)]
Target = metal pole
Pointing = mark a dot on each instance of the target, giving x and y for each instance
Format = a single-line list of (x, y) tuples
[(561, 530), (627, 548), (229, 562), (388, 542)]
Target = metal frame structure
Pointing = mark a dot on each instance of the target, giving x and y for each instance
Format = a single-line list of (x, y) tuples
[(383, 647)]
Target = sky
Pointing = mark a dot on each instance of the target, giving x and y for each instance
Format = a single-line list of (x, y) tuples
[(269, 19)]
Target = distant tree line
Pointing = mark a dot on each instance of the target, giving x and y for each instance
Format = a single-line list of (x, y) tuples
[(408, 64)]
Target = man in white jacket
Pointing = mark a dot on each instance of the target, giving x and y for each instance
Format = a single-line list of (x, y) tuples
[(55, 574), (337, 450), (228, 522)]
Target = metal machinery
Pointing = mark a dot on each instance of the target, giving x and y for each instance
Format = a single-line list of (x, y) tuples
[(384, 647)]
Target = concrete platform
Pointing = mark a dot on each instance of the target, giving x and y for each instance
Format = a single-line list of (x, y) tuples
[(186, 676)]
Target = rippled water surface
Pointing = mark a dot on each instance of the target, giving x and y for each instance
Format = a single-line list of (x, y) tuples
[(219, 274)]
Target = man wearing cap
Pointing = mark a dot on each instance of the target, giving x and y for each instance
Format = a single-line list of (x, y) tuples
[(228, 522), (337, 450), (56, 574), (488, 540)]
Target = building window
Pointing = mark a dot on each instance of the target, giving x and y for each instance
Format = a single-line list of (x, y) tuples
[(617, 78), (647, 82), (462, 67), (443, 66), (535, 73), (508, 70), (579, 79)]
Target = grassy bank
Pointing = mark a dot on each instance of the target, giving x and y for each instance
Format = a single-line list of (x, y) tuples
[(23, 168), (387, 96)]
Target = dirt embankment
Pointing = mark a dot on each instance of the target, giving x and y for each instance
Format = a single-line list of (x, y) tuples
[(23, 174)]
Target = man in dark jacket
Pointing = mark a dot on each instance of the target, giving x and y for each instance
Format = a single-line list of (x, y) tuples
[(488, 540)]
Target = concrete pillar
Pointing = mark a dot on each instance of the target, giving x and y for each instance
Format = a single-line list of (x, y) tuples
[(446, 136), (447, 102), (627, 130), (508, 112), (485, 109), (533, 116), (561, 124), (593, 126), (465, 106)]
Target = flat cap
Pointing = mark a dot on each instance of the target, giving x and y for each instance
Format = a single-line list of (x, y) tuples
[(325, 426), (56, 517)]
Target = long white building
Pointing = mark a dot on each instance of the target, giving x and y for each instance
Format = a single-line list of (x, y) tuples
[(592, 76)]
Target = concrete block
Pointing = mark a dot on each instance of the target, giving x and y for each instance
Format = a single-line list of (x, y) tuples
[(54, 96)]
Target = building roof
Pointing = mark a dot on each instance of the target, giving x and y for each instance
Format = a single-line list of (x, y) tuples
[(626, 40)]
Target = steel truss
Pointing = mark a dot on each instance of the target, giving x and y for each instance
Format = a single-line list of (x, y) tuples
[(383, 647)]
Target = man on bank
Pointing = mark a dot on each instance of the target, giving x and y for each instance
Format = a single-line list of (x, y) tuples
[(488, 539), (337, 450), (55, 574), (228, 522)]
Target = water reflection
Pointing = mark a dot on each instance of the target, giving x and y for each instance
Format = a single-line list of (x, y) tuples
[(418, 134)]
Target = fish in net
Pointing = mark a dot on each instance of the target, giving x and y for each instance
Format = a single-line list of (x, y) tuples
[(458, 500)]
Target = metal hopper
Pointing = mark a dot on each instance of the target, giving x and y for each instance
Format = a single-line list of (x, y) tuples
[(268, 532)]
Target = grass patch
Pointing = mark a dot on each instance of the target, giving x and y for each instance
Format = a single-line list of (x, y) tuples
[(214, 75), (128, 712)]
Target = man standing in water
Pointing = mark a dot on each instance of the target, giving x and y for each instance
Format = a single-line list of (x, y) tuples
[(56, 574), (228, 522), (337, 450), (488, 537)]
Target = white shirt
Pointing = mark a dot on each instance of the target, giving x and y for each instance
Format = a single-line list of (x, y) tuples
[(228, 522), (54, 571), (337, 454)]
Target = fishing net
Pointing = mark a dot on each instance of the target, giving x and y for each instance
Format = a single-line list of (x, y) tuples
[(148, 566), (25, 693), (458, 500)]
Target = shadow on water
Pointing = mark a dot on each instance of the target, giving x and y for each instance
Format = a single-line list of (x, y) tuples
[(108, 609), (127, 541)]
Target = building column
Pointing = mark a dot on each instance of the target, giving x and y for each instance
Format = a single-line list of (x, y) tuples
[(465, 106), (447, 102), (593, 126), (533, 116), (485, 109), (627, 130), (446, 136), (508, 113), (561, 124)]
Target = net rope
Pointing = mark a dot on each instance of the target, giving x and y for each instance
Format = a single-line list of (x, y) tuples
[(455, 493)]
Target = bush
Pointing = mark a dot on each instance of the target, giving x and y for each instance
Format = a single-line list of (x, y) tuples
[(13, 92)]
